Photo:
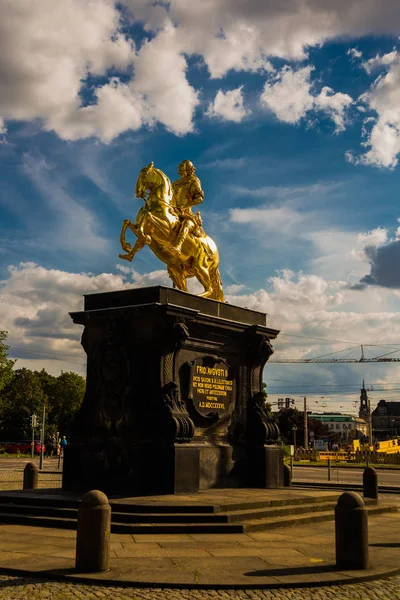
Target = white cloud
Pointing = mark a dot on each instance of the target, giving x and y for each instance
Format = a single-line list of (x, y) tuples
[(384, 99), (228, 105), (35, 302), (160, 78), (354, 53), (281, 219), (72, 65), (379, 61), (334, 104), (289, 95), (375, 238), (48, 49), (73, 226)]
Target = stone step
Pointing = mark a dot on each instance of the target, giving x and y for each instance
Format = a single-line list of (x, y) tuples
[(118, 516), (246, 526), (311, 517)]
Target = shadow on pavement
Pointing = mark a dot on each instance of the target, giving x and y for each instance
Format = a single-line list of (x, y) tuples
[(313, 569), (386, 545)]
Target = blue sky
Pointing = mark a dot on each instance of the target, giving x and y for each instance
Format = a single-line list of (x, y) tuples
[(292, 120)]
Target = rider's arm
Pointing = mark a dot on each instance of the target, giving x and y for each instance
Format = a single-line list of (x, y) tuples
[(196, 193)]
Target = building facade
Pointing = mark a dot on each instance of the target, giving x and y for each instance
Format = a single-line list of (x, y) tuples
[(344, 426), (386, 420)]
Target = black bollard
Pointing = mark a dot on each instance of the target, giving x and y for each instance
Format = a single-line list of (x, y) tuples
[(93, 535), (351, 532), (287, 476), (370, 483), (31, 473)]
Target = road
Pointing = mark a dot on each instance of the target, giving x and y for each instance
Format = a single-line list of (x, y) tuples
[(344, 475), (18, 464)]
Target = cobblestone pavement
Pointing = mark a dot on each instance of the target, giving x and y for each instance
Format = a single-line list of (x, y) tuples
[(27, 588)]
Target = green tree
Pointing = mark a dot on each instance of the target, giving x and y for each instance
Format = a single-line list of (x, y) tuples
[(6, 364), (22, 396), (287, 418), (67, 395)]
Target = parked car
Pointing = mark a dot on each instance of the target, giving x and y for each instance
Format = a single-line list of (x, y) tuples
[(24, 447)]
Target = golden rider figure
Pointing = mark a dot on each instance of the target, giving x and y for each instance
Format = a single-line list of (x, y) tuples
[(187, 193)]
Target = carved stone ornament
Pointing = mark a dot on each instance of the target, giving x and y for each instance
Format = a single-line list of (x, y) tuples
[(261, 429), (180, 427)]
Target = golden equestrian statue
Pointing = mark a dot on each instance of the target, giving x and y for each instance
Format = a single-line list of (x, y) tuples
[(168, 226)]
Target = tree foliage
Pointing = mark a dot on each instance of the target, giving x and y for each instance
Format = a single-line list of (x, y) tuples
[(27, 392), (6, 364)]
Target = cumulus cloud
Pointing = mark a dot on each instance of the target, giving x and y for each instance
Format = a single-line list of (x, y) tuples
[(380, 61), (383, 98), (228, 106), (372, 239), (290, 95), (50, 48), (385, 261), (35, 302)]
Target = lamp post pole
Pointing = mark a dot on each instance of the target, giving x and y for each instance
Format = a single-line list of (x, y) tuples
[(294, 429)]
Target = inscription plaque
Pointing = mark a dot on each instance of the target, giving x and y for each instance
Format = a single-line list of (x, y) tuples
[(211, 386)]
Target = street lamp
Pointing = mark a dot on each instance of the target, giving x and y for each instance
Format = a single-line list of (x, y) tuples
[(294, 429)]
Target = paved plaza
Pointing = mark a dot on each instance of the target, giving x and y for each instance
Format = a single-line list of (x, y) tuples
[(276, 561), (26, 588)]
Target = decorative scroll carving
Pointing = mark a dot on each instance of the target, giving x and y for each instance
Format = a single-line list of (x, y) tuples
[(181, 427), (261, 429), (261, 351)]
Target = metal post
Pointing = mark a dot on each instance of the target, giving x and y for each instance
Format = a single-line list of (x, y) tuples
[(294, 429), (291, 467), (42, 438), (33, 438), (305, 425), (369, 422), (329, 469)]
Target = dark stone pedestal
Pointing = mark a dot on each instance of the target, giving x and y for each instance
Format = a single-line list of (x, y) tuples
[(265, 467), (173, 401)]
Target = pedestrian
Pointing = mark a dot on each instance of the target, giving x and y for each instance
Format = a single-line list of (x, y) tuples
[(63, 444), (49, 447)]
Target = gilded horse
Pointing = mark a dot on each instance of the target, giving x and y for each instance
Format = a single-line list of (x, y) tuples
[(157, 224)]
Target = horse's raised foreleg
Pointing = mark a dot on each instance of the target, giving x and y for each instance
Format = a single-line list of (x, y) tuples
[(137, 246), (126, 245)]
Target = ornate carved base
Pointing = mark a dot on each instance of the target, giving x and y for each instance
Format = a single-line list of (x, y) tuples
[(173, 393)]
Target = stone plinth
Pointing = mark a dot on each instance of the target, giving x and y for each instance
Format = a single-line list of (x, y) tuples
[(173, 401)]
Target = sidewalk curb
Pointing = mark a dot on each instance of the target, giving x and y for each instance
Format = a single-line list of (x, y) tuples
[(55, 575)]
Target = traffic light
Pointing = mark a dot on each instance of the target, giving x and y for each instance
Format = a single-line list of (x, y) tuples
[(34, 421)]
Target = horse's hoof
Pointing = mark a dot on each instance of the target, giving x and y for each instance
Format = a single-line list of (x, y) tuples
[(126, 257)]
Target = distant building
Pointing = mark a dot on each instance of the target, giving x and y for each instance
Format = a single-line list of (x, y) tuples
[(363, 411), (386, 420), (345, 425), (361, 427)]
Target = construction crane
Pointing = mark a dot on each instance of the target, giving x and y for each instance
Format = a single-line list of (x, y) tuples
[(328, 358)]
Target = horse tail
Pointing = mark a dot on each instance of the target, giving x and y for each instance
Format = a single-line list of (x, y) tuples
[(216, 282)]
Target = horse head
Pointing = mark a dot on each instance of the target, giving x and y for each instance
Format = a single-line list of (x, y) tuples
[(142, 184), (151, 178)]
